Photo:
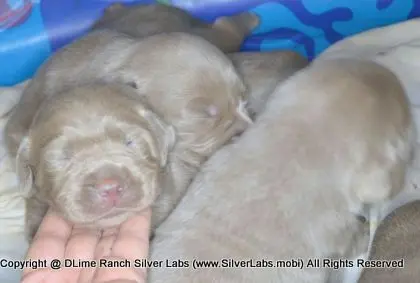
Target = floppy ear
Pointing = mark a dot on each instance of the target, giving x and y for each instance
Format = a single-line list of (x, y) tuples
[(23, 168), (165, 134)]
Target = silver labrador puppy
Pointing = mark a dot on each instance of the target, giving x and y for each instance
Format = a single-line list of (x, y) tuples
[(334, 137)]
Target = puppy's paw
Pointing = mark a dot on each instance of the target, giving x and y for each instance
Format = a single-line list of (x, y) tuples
[(241, 25)]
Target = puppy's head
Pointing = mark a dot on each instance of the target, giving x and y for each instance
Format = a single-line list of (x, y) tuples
[(214, 113), (95, 154), (197, 89)]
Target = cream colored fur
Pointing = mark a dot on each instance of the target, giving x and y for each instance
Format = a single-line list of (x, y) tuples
[(334, 137), (81, 134), (226, 32), (197, 91), (263, 71)]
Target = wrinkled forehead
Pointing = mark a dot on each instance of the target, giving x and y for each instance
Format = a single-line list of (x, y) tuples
[(99, 125), (211, 86), (90, 127)]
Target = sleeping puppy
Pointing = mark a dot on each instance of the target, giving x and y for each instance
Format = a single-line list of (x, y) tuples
[(333, 138), (191, 64), (196, 90), (396, 239), (95, 154), (263, 71), (260, 72), (227, 33)]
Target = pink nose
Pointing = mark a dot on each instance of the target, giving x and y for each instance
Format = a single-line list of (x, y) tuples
[(110, 190)]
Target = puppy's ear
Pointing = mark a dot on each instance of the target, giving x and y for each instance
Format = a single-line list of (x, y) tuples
[(165, 134), (24, 170)]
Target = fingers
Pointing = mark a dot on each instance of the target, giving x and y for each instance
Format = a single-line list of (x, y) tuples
[(102, 250), (130, 242), (105, 275), (50, 240), (57, 239), (81, 247)]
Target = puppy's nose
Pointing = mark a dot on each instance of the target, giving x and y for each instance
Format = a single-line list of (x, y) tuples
[(110, 189)]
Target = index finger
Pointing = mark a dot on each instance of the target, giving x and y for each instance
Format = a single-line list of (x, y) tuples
[(50, 240), (132, 241)]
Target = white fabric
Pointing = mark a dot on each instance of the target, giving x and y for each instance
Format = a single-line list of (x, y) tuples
[(12, 241)]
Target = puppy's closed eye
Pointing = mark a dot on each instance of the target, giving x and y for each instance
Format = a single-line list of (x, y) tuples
[(212, 110), (132, 84), (201, 109), (129, 142), (67, 153)]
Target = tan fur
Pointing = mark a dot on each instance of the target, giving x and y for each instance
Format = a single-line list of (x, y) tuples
[(397, 238), (184, 79), (263, 71), (227, 33), (81, 134), (333, 138)]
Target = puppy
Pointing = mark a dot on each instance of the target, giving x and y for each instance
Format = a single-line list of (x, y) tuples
[(263, 71), (196, 90), (227, 33), (95, 154), (334, 137), (396, 239)]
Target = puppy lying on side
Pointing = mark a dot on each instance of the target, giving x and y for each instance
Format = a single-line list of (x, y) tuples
[(261, 72), (227, 33), (334, 137), (197, 90), (95, 154), (397, 238)]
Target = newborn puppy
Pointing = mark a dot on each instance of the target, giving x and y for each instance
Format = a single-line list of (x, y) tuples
[(140, 21), (263, 71), (334, 137), (397, 238), (197, 90), (95, 154)]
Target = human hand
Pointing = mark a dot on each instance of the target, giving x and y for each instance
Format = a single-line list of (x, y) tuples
[(57, 239)]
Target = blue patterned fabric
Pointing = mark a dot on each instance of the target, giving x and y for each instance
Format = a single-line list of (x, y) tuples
[(31, 30)]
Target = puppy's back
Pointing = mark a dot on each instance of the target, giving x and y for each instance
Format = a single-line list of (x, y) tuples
[(145, 20), (286, 189)]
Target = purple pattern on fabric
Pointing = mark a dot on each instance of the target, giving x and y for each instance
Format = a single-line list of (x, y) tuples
[(287, 33), (322, 21), (383, 4)]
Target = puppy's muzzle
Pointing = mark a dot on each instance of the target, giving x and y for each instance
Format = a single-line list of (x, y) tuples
[(109, 183)]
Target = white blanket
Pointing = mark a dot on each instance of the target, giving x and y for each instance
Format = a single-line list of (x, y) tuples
[(12, 242)]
